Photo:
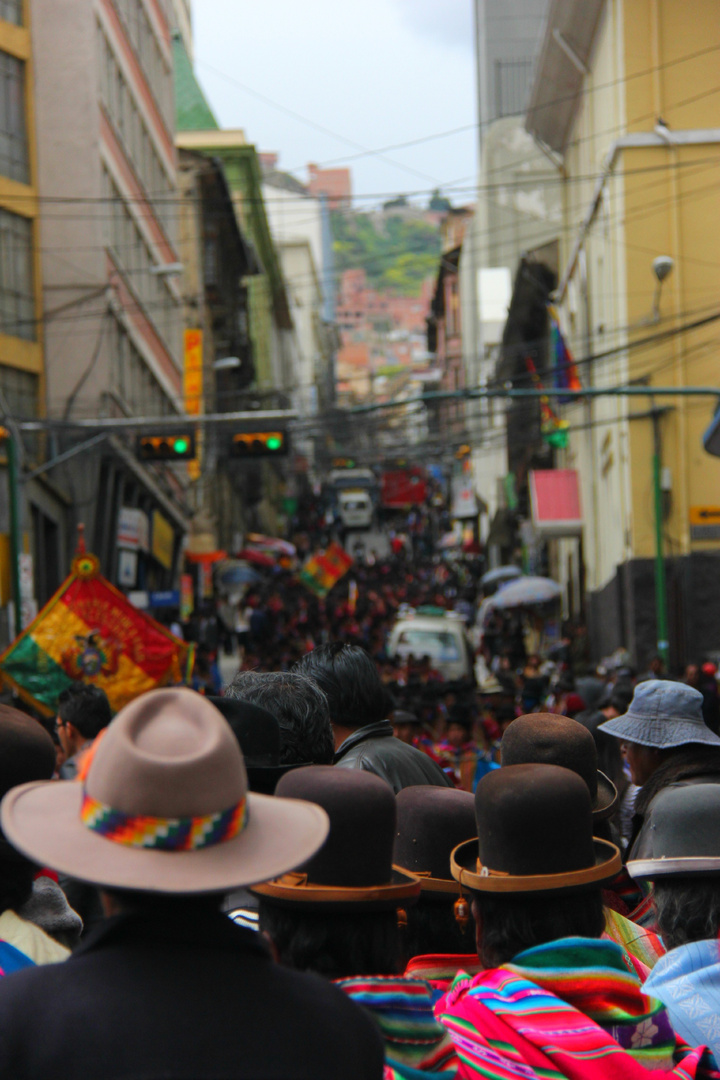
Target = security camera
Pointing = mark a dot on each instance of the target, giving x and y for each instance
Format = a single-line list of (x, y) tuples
[(662, 266)]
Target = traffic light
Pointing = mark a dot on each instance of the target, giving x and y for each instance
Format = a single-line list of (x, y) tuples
[(254, 444), (166, 447)]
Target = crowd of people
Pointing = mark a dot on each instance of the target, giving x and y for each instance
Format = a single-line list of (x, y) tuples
[(346, 865), (271, 884)]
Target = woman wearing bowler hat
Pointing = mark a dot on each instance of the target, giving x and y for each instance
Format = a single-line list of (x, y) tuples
[(555, 999), (342, 914)]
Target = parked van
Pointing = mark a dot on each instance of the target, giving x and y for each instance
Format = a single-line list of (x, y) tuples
[(441, 637), (355, 509)]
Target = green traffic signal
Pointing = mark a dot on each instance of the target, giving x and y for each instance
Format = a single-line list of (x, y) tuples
[(274, 442), (166, 447)]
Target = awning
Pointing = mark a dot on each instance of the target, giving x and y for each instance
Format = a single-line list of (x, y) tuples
[(555, 502)]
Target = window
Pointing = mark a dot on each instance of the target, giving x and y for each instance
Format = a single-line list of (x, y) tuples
[(155, 67), (12, 11), (125, 116), (132, 379), (19, 391), (13, 135), (136, 260), (17, 292)]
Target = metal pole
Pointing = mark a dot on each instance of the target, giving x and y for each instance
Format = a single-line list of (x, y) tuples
[(14, 528), (660, 590)]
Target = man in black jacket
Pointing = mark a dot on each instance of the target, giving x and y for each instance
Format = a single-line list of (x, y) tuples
[(359, 707), (169, 987)]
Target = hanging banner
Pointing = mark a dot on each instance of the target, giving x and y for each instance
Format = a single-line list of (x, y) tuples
[(324, 569), (163, 540), (192, 372), (90, 632)]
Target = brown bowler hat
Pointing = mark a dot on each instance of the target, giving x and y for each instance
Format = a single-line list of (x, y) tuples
[(431, 821), (164, 808), (551, 739), (353, 868), (534, 834)]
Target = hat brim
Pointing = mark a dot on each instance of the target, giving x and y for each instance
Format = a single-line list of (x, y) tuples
[(464, 868), (659, 733), (293, 890), (680, 866), (606, 798), (42, 820), (434, 888)]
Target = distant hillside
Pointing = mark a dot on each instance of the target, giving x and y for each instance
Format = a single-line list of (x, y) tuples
[(396, 253)]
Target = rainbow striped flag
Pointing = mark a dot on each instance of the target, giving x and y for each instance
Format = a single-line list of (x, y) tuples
[(90, 632)]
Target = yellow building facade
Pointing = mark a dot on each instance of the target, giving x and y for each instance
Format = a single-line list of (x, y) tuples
[(627, 101), (21, 336)]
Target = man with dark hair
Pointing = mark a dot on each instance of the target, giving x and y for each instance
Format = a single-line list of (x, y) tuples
[(554, 999), (83, 712), (682, 859), (164, 824), (359, 707), (340, 917), (300, 707)]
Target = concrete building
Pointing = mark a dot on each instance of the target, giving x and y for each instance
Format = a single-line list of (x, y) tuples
[(22, 372), (268, 373), (517, 212), (626, 96), (112, 314), (296, 223), (334, 184)]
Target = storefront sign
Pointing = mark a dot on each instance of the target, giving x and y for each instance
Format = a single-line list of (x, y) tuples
[(163, 540), (165, 598), (187, 597), (127, 568), (464, 500), (192, 372), (133, 529)]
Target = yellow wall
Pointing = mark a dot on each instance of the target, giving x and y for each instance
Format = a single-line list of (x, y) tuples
[(673, 209), (22, 199)]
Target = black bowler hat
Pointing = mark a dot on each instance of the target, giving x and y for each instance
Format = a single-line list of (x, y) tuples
[(534, 834), (683, 834), (431, 821), (354, 867), (550, 739), (402, 716), (258, 733)]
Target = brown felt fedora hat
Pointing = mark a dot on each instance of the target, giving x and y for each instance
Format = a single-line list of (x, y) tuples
[(353, 869), (551, 739), (164, 808), (534, 835)]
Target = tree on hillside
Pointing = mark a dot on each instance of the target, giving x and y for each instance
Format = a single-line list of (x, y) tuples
[(397, 254)]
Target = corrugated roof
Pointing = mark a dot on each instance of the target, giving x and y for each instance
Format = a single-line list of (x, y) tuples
[(192, 112)]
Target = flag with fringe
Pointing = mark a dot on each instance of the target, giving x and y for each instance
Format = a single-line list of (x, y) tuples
[(90, 632)]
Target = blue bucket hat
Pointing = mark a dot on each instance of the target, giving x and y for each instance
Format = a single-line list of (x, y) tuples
[(662, 714)]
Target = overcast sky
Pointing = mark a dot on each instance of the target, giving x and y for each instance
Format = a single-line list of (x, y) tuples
[(375, 72)]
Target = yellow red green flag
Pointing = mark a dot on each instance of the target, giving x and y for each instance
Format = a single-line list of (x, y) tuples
[(90, 632), (324, 569)]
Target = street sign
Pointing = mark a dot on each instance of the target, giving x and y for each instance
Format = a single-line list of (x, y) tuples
[(705, 515), (704, 522)]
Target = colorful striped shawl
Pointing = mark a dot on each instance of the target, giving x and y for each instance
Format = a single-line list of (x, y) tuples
[(440, 969), (636, 940), (415, 1043), (568, 1009)]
